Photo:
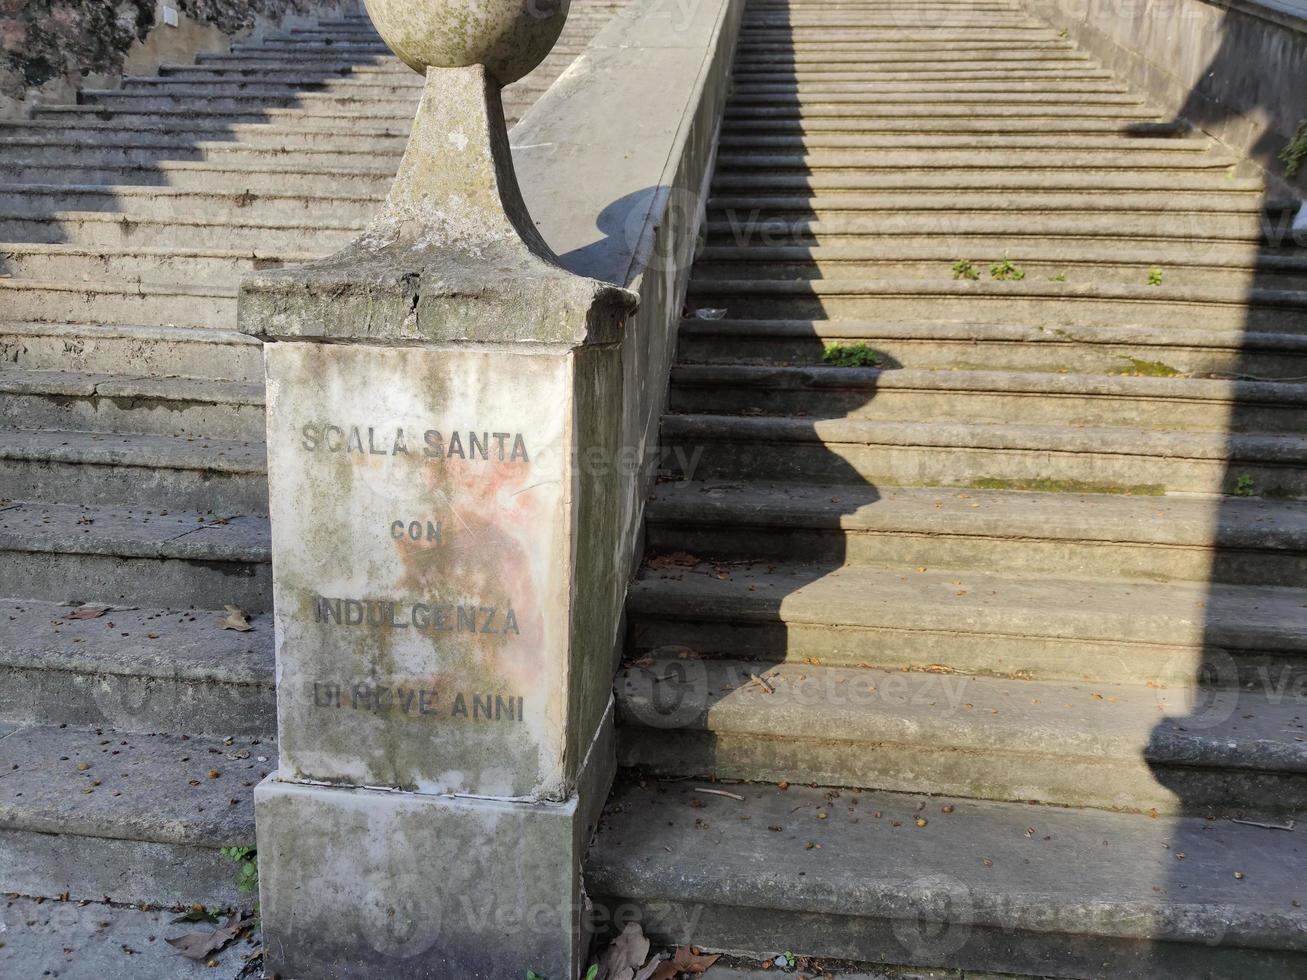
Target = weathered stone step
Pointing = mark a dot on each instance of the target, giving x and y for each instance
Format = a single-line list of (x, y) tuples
[(848, 34), (189, 131), (175, 304), (822, 148), (134, 558), (130, 265), (156, 842), (140, 156), (961, 454), (189, 119), (183, 203), (171, 406), (1103, 349), (960, 125), (273, 83), (296, 74), (1213, 307), (1006, 531), (1010, 888), (1107, 745), (931, 100), (985, 166), (996, 233), (903, 58), (168, 472), (950, 622), (989, 396), (309, 104), (209, 177), (128, 230), (837, 196), (1240, 264), (780, 74), (924, 114), (130, 349), (1062, 89)]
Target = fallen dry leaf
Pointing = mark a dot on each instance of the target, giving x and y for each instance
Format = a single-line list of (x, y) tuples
[(199, 944), (684, 960), (237, 619), (86, 612)]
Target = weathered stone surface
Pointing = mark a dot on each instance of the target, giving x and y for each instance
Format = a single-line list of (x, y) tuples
[(363, 885), (509, 38)]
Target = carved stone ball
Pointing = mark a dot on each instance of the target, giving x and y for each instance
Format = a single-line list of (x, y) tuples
[(509, 37)]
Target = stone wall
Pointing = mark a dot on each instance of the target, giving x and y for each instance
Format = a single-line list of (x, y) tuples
[(53, 47), (1235, 68)]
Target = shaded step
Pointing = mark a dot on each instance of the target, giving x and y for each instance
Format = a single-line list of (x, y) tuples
[(958, 454), (126, 557), (1180, 349), (39, 200), (264, 178), (987, 886), (128, 349), (917, 395), (1031, 301), (157, 842), (1007, 531), (311, 104), (127, 230), (143, 471), (967, 622), (172, 406)]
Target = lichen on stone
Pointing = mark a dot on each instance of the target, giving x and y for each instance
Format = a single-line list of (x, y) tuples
[(47, 39)]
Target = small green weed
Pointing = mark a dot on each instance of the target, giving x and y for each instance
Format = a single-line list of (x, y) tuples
[(1060, 277), (1045, 485), (1295, 151), (963, 269), (1244, 486), (1154, 277), (1006, 271), (852, 356), (247, 877)]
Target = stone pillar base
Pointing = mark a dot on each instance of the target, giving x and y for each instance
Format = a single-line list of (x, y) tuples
[(372, 885)]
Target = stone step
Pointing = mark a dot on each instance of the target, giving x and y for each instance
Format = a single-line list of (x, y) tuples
[(930, 99), (938, 109), (1107, 745), (388, 139), (764, 90), (836, 196), (309, 104), (137, 470), (130, 230), (950, 126), (1011, 532), (920, 72), (1009, 888), (962, 454), (1102, 349), (1213, 307), (175, 304), (170, 406), (989, 396), (998, 232), (209, 177), (130, 349), (781, 152), (1233, 264), (156, 842), (947, 622), (894, 55), (138, 265), (183, 203), (191, 118), (986, 164), (273, 83), (300, 76), (135, 558), (142, 157)]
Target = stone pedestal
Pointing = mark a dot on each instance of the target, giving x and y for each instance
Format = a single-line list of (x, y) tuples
[(443, 411)]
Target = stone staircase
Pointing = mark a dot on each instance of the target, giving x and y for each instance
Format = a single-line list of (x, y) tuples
[(131, 441), (990, 503)]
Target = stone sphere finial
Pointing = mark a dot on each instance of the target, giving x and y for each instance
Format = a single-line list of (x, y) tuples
[(509, 37)]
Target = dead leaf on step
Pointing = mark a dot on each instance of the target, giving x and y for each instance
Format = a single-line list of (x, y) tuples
[(625, 954), (684, 960), (86, 612), (237, 619), (676, 559), (199, 944)]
